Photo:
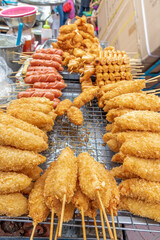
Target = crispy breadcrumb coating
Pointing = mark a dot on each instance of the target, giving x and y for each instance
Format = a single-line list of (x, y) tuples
[(33, 100), (32, 172), (122, 173), (80, 200), (63, 106), (118, 157), (75, 115), (114, 113)]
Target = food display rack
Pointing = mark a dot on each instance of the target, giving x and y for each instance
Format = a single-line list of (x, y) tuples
[(88, 137)]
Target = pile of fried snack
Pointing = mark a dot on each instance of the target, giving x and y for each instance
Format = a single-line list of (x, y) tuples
[(134, 133)]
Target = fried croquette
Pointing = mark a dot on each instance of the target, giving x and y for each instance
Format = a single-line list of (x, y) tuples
[(12, 159), (15, 137), (121, 173), (32, 172), (63, 106), (75, 115), (27, 127), (136, 101), (140, 189), (114, 113), (85, 97), (39, 119), (11, 182), (138, 121), (142, 146), (143, 168), (13, 205), (141, 208)]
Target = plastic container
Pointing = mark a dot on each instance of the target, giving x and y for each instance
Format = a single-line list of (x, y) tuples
[(46, 33)]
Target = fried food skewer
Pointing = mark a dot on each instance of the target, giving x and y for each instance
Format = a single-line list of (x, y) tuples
[(52, 225), (83, 224), (62, 216), (96, 229), (33, 231), (102, 222)]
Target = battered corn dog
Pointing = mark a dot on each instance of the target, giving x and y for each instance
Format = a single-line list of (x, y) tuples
[(15, 122), (39, 119), (140, 189), (138, 207), (33, 100), (136, 101), (11, 182), (63, 177), (138, 121), (113, 113), (143, 147), (32, 172), (122, 173), (15, 137), (63, 106), (12, 159), (13, 205), (85, 97), (75, 115), (144, 168)]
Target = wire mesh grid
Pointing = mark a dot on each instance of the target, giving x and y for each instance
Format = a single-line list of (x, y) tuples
[(89, 138)]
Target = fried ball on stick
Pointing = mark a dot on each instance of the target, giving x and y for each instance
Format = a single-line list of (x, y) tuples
[(15, 137), (141, 189), (144, 168), (138, 121), (136, 101), (75, 115), (122, 173), (11, 182), (141, 208), (15, 122), (85, 97), (39, 119), (13, 205), (63, 106), (12, 159), (32, 172), (143, 147), (113, 113)]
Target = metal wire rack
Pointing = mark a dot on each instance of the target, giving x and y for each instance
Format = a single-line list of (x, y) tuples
[(88, 138)]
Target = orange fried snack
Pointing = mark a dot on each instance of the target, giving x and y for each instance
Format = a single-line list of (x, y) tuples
[(75, 115), (63, 106), (121, 173)]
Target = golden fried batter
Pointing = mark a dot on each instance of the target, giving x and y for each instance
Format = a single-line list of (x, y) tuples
[(113, 113), (75, 115), (63, 106), (122, 173), (67, 28), (32, 172), (80, 200), (33, 100), (118, 157)]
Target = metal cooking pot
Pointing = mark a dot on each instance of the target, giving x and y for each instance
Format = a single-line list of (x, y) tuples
[(8, 48)]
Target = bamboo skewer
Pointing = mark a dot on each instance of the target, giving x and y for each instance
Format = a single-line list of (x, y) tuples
[(62, 216), (83, 224), (56, 235), (105, 216), (52, 225), (150, 79), (113, 224), (33, 231), (102, 223), (96, 229)]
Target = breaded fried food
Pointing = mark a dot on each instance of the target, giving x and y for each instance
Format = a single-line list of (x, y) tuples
[(63, 106), (118, 157), (11, 182), (114, 145), (62, 179), (68, 213), (12, 159), (80, 200), (86, 84), (109, 127), (33, 100), (114, 113), (91, 211), (136, 101), (39, 119), (111, 86), (32, 172), (85, 97), (144, 168), (140, 189), (53, 115), (75, 115), (27, 127), (15, 137), (67, 28), (28, 189), (64, 37), (143, 147), (122, 173), (138, 121), (141, 208), (13, 205)]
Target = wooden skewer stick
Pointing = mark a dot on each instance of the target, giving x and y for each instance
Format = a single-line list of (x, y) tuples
[(150, 79), (96, 229), (105, 216), (83, 224), (56, 235), (17, 62), (62, 216), (15, 77), (52, 225), (154, 80), (113, 224), (102, 222), (152, 91), (8, 96), (33, 231), (158, 92)]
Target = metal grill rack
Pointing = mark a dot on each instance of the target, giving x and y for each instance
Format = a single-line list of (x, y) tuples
[(88, 138)]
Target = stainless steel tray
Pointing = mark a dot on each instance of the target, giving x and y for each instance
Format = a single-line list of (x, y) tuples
[(43, 2)]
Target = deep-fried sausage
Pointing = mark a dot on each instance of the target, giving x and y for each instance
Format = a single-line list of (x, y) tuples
[(53, 57), (50, 51), (42, 78), (45, 72), (57, 93), (46, 63), (48, 95), (55, 85), (39, 69)]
